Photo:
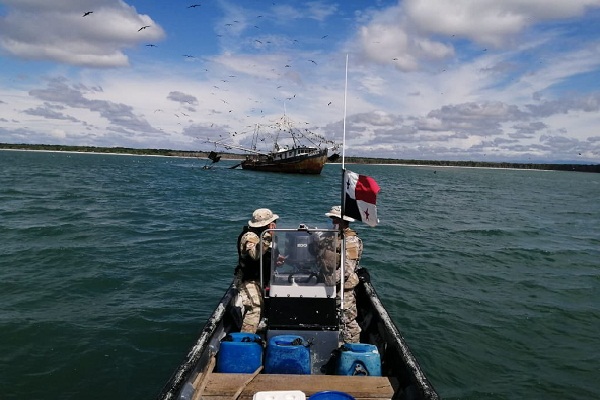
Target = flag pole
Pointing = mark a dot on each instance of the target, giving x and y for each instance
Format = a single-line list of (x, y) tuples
[(345, 106), (343, 202), (343, 195)]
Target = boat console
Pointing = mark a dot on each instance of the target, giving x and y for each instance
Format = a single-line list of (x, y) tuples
[(300, 296)]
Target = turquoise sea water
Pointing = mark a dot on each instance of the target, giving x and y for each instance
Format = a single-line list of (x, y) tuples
[(109, 266)]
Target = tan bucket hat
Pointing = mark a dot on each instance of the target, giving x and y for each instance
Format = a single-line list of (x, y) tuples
[(336, 212), (262, 217)]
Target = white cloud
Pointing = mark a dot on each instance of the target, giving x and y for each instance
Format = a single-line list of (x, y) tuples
[(489, 22), (420, 83), (33, 30)]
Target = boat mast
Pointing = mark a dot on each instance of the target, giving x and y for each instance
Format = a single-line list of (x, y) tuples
[(255, 137)]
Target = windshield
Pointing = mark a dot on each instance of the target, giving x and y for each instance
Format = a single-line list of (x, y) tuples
[(303, 263)]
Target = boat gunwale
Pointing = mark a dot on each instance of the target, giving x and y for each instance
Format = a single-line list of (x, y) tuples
[(192, 364), (191, 361)]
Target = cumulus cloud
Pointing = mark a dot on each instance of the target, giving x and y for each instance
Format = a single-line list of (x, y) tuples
[(586, 103), (419, 30), (489, 22), (44, 30), (59, 93), (180, 97), (48, 112), (420, 84)]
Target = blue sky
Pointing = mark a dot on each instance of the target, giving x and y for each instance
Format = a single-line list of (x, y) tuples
[(483, 80)]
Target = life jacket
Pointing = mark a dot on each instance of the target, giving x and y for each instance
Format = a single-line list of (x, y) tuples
[(249, 268)]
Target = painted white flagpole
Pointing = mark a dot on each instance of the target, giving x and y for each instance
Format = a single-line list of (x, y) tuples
[(345, 103), (343, 205)]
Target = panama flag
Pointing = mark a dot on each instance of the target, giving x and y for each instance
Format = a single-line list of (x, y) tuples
[(361, 197)]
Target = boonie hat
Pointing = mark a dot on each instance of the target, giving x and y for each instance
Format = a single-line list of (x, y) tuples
[(336, 212), (262, 217)]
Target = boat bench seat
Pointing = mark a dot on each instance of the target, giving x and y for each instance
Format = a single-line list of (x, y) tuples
[(220, 386)]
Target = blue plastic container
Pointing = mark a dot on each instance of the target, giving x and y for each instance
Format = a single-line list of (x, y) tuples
[(331, 395), (287, 354), (359, 359), (242, 355)]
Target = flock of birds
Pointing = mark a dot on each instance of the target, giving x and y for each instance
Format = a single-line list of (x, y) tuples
[(267, 135), (190, 106)]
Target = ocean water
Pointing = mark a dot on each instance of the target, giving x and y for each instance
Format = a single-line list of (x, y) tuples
[(110, 265)]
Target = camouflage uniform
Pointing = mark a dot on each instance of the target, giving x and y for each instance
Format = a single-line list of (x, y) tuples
[(247, 278), (252, 301), (354, 248)]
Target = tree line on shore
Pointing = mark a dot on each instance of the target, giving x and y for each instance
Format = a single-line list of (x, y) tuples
[(349, 160)]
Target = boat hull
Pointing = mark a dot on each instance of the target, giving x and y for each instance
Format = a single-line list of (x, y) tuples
[(311, 164)]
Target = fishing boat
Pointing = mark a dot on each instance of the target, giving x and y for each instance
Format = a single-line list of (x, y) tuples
[(293, 150), (297, 354), (296, 160)]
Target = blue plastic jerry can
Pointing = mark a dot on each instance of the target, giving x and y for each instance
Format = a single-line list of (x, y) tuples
[(359, 359)]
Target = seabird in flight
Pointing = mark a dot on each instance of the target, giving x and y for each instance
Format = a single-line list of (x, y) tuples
[(87, 13), (144, 27)]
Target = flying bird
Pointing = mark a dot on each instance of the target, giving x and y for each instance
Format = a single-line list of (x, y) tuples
[(194, 5), (151, 45), (87, 13), (144, 27), (313, 61)]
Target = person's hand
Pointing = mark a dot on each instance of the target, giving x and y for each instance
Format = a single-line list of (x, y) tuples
[(267, 240), (280, 260)]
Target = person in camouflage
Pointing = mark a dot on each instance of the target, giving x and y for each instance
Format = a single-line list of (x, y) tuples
[(247, 272), (354, 248)]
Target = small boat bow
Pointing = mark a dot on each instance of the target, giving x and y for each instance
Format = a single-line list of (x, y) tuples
[(298, 349)]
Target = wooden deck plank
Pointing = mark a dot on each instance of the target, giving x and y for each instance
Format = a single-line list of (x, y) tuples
[(222, 386)]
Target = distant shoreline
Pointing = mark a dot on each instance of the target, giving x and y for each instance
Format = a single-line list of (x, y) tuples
[(348, 160), (110, 153)]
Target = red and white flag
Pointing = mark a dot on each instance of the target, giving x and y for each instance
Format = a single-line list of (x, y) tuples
[(361, 197)]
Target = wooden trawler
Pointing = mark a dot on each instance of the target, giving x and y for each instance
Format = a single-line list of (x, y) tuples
[(296, 160), (294, 151), (297, 353)]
